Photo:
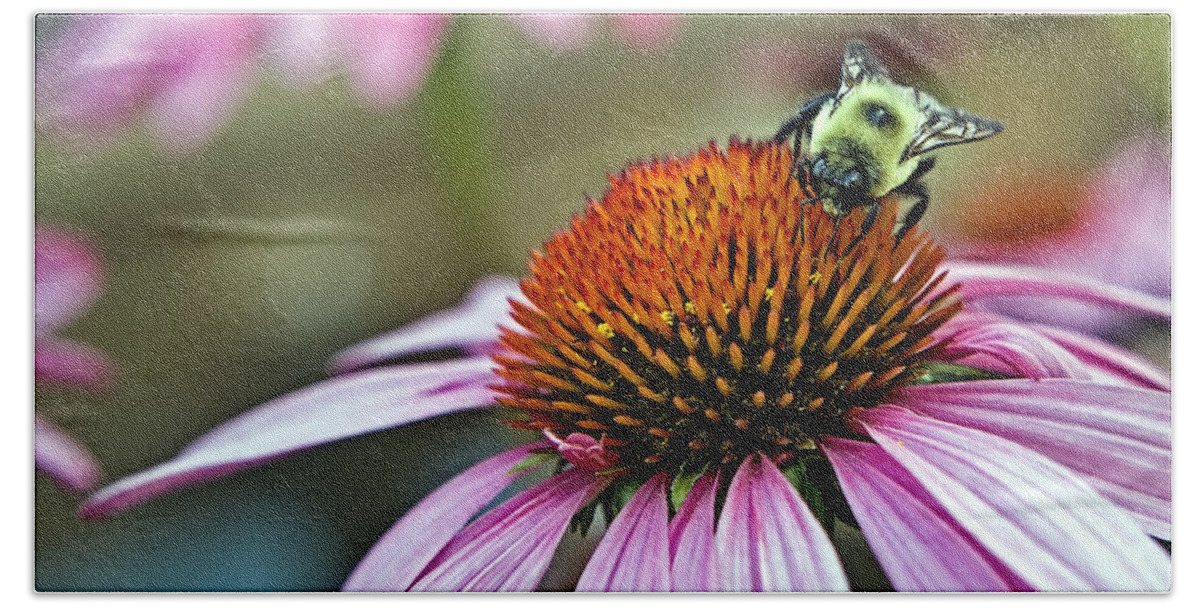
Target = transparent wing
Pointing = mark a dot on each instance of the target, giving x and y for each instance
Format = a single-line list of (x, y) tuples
[(944, 127), (858, 64)]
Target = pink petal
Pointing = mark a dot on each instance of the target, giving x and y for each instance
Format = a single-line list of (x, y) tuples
[(91, 77), (304, 46), (66, 277), (209, 64), (985, 280), (475, 323), (404, 551), (184, 71), (509, 547), (768, 540), (390, 54), (1109, 359), (1137, 179), (558, 31), (693, 539), (71, 364), (1118, 435), (328, 411), (634, 553), (1038, 518), (62, 458), (918, 544), (647, 31), (997, 343)]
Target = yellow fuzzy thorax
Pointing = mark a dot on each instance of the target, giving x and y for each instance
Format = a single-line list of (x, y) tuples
[(845, 137)]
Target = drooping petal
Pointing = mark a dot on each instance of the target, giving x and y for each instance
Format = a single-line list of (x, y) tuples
[(991, 341), (1011, 348), (1120, 436), (69, 363), (183, 72), (918, 544), (583, 451), (62, 458), (509, 547), (692, 536), (980, 280), (1109, 358), (476, 322), (1121, 234), (335, 409), (1038, 518), (409, 545), (768, 539), (634, 554)]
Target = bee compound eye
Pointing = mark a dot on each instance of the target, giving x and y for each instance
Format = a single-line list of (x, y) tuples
[(878, 116)]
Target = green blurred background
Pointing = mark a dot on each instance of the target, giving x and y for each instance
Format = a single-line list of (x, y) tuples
[(311, 222)]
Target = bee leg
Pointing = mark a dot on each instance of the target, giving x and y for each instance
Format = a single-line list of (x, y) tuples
[(923, 167), (800, 127), (868, 223), (914, 187), (800, 124), (917, 189)]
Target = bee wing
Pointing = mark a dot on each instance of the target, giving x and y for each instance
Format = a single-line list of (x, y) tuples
[(858, 64), (948, 127)]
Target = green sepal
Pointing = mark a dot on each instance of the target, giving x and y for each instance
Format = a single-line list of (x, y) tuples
[(581, 521), (680, 486), (613, 470), (797, 475), (937, 372), (622, 492), (610, 502), (532, 461)]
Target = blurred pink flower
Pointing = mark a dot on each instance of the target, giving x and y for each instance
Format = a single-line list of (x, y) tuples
[(67, 279), (1122, 236), (1045, 465), (558, 31), (386, 55), (647, 31), (183, 75), (573, 31)]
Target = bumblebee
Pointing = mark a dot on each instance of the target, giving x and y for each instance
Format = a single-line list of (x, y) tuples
[(871, 138)]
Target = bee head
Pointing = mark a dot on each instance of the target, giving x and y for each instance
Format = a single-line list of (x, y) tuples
[(877, 130)]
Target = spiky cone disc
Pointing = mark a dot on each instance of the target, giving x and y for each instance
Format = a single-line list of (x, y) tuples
[(699, 313)]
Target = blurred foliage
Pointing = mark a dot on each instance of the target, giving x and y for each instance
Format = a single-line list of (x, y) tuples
[(311, 222)]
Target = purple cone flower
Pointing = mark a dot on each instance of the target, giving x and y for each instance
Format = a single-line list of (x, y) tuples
[(67, 279), (713, 369)]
